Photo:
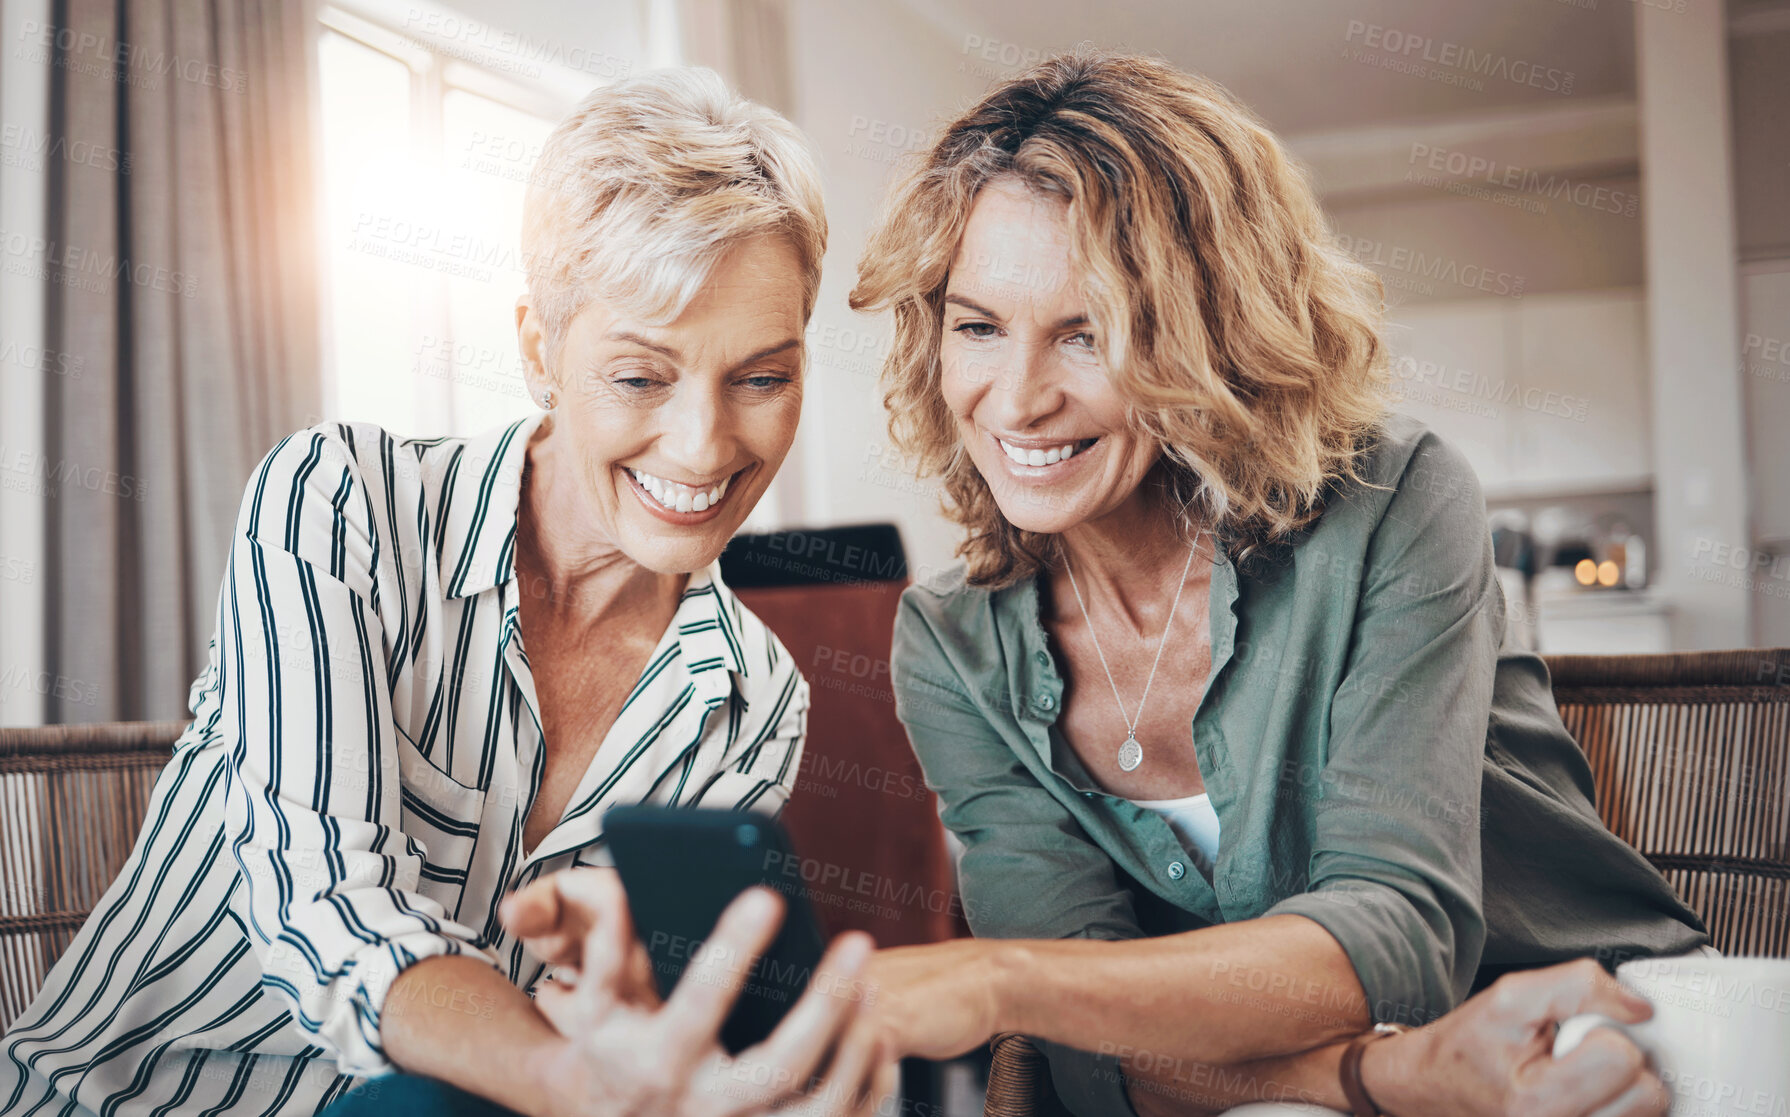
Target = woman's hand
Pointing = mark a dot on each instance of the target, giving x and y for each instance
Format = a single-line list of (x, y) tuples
[(1493, 1056), (626, 1054), (940, 1000), (554, 915)]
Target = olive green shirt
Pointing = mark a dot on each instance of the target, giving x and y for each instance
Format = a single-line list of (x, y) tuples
[(1380, 762)]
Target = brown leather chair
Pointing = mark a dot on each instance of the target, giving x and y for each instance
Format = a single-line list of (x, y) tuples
[(1691, 756), (861, 819), (863, 824)]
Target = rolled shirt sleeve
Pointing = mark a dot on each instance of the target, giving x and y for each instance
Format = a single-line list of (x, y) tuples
[(316, 781), (1394, 871)]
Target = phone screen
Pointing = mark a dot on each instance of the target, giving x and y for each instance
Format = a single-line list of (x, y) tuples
[(681, 867)]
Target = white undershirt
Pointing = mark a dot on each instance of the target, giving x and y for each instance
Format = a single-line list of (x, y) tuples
[(1194, 821)]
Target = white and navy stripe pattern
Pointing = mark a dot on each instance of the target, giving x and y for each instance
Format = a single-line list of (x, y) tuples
[(351, 794)]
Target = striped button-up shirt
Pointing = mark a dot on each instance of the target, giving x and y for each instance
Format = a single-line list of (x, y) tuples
[(350, 797)]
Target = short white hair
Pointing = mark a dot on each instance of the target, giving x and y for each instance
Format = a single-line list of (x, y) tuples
[(652, 179)]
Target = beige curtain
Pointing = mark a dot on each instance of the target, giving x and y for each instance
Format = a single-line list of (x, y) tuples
[(183, 280), (747, 41)]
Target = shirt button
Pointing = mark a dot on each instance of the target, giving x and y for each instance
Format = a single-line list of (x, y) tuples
[(1043, 659), (1046, 702), (1176, 870)]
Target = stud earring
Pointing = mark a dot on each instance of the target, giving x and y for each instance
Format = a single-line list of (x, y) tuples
[(547, 400)]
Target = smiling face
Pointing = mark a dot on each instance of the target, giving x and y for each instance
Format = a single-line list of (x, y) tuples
[(1022, 372), (666, 435)]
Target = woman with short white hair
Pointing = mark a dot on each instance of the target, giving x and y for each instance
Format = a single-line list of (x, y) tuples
[(439, 662)]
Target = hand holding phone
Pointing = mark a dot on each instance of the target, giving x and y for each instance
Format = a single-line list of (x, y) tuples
[(681, 867), (625, 1052)]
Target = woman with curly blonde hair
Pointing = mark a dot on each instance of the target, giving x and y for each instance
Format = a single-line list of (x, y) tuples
[(1224, 672)]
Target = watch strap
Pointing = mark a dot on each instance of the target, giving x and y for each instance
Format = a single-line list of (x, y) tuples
[(1360, 1104)]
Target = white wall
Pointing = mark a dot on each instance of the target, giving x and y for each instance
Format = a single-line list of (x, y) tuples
[(871, 82), (1760, 61), (1765, 367), (1699, 447)]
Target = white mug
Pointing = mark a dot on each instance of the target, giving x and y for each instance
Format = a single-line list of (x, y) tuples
[(1720, 1033)]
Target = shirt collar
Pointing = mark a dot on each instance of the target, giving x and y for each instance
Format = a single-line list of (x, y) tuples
[(482, 493), (481, 490), (709, 622)]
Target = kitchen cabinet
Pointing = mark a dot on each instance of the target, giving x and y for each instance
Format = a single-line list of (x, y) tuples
[(1545, 394)]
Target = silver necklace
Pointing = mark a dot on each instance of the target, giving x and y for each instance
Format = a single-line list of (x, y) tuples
[(1131, 754)]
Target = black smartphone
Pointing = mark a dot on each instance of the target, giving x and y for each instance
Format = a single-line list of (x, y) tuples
[(681, 867)]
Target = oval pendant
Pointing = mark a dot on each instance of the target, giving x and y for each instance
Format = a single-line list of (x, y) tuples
[(1131, 754)]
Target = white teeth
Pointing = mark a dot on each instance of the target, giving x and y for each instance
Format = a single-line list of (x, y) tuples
[(1032, 457), (681, 498)]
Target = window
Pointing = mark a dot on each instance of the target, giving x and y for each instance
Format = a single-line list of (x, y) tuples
[(424, 166)]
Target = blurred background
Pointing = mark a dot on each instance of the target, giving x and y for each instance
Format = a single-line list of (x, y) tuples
[(221, 221)]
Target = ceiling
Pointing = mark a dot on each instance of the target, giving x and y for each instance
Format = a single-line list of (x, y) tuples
[(1298, 62)]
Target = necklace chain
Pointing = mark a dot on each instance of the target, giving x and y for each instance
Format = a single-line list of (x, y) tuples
[(1132, 723)]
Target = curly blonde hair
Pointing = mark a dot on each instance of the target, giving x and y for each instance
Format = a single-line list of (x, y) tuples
[(1246, 343)]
